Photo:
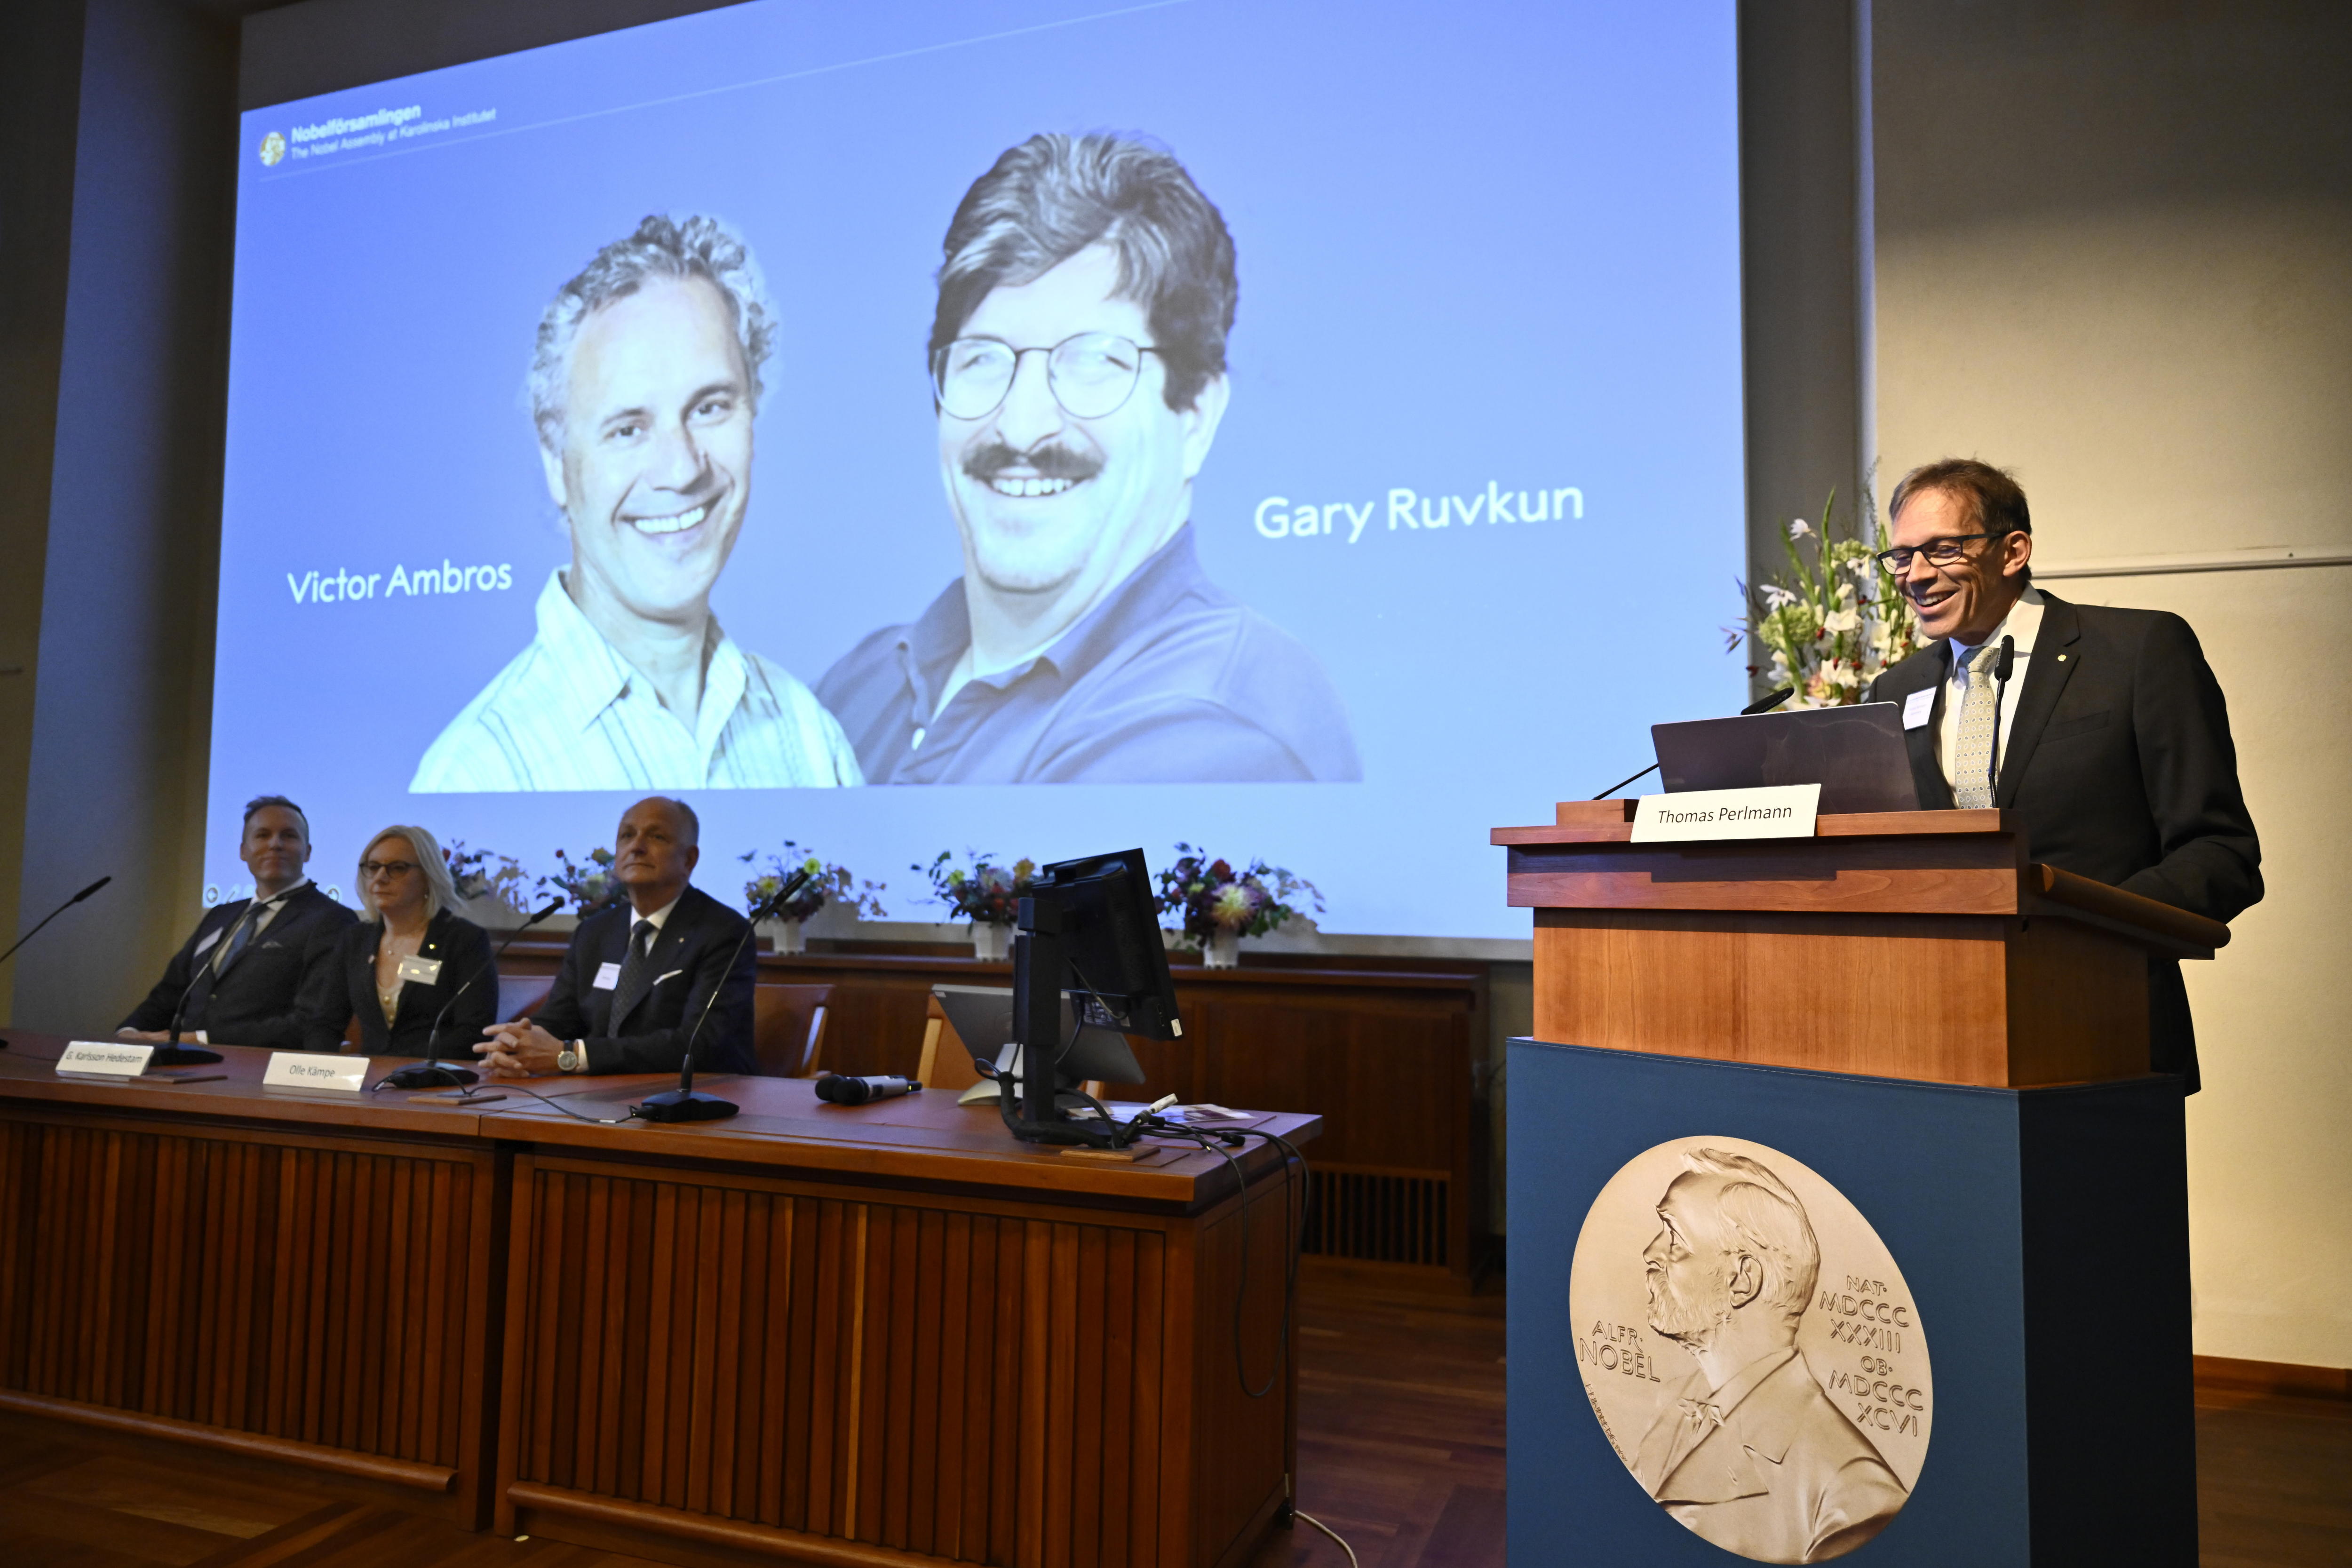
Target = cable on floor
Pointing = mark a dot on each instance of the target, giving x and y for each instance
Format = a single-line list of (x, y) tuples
[(1300, 1513)]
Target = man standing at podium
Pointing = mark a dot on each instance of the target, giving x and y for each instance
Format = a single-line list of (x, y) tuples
[(2103, 728)]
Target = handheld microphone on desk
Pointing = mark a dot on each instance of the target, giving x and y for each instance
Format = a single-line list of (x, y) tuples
[(1764, 704), (841, 1090), (433, 1072), (683, 1103)]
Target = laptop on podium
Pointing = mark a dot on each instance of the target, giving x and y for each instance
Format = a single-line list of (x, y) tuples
[(1855, 753)]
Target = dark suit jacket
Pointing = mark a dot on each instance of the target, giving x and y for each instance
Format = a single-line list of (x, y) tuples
[(346, 986), (691, 961), (256, 1001), (2121, 765)]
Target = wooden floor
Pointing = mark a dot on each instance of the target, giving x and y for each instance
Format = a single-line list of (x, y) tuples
[(1401, 1450)]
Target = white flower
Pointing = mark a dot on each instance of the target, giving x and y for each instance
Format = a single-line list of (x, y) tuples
[(1776, 597), (1843, 675), (1845, 620), (1800, 529)]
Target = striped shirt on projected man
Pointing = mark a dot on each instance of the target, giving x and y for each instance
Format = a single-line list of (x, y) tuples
[(569, 712)]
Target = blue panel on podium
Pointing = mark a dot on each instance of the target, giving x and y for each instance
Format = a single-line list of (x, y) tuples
[(2041, 1241)]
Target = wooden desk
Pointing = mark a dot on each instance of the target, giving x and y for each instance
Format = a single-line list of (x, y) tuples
[(850, 1335), (278, 1274), (1390, 1055)]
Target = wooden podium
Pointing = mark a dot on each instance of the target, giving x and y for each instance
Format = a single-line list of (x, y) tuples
[(1956, 1038)]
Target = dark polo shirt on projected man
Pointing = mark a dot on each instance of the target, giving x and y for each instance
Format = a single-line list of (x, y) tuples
[(1169, 679)]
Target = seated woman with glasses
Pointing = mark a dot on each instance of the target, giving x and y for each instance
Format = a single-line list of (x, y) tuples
[(409, 958)]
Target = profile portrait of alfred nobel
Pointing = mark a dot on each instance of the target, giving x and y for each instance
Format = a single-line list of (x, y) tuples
[(1749, 1452), (644, 383), (1077, 360)]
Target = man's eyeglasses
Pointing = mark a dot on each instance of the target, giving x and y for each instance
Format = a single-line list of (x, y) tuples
[(1945, 551), (1091, 375), (370, 870)]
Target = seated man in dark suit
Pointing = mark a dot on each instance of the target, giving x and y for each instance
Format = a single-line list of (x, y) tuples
[(639, 972), (2111, 740), (243, 969)]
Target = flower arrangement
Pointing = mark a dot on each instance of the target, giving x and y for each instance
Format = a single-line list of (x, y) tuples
[(982, 891), (587, 882), (486, 874), (1837, 621), (827, 884), (1209, 898)]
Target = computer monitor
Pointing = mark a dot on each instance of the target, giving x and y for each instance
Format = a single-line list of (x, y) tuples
[(982, 1016), (1087, 930)]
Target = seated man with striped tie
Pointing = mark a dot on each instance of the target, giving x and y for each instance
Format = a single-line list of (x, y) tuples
[(2103, 729), (239, 976), (642, 970)]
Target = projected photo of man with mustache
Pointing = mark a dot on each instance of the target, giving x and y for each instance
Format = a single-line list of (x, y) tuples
[(1078, 362), (642, 389)]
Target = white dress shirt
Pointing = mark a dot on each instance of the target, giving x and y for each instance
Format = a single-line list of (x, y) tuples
[(2024, 619), (569, 712)]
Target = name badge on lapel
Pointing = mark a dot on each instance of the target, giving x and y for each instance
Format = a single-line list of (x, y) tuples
[(424, 971), (1918, 707), (206, 946), (607, 976)]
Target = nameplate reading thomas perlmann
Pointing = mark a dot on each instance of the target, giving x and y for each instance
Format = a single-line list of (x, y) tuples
[(297, 1070), (1751, 1349), (104, 1058), (1775, 811)]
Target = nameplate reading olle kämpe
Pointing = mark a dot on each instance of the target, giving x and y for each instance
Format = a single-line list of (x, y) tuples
[(105, 1059), (295, 1069), (1775, 811)]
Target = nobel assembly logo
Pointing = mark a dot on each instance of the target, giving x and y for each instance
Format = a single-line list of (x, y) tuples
[(273, 148)]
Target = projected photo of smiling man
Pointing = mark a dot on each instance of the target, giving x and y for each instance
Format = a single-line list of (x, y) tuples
[(643, 390), (1077, 360)]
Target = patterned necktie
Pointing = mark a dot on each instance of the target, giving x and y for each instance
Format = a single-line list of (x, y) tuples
[(1980, 727), (636, 974), (240, 934)]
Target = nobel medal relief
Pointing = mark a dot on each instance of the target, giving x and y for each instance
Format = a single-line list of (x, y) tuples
[(1751, 1349)]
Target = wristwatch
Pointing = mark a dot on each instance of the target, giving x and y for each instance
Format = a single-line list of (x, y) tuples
[(571, 1058)]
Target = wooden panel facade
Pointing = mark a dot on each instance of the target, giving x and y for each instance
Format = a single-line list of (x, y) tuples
[(322, 1300), (733, 1357)]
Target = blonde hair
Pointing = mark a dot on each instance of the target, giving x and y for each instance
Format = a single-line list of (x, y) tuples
[(440, 891)]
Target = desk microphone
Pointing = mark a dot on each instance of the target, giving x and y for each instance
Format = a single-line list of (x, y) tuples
[(683, 1103), (53, 914), (172, 1053), (841, 1090), (1764, 704), (433, 1072)]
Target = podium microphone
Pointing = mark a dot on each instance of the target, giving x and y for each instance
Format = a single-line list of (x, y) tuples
[(1764, 704), (172, 1054), (433, 1072), (53, 914), (2000, 669), (684, 1103)]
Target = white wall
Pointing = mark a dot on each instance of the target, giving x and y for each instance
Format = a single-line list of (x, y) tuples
[(2115, 253)]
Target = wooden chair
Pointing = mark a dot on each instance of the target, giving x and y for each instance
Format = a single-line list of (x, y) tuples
[(788, 1029)]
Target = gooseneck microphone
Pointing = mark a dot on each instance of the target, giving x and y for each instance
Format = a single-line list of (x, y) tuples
[(172, 1054), (841, 1090), (1764, 704), (53, 914), (683, 1103), (2000, 668), (433, 1072)]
